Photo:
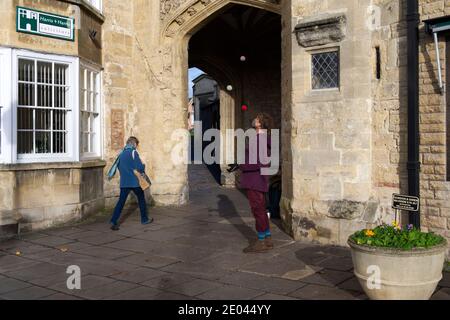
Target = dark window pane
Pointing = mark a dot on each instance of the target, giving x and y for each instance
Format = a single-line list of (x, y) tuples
[(61, 97), (25, 142), (85, 142), (92, 143), (59, 120), (59, 142), (24, 119), (61, 74), (43, 119), (325, 70), (42, 142), (26, 94), (44, 96), (84, 121), (26, 70), (44, 72)]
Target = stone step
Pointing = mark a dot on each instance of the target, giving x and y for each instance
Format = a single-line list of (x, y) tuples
[(9, 231), (9, 224)]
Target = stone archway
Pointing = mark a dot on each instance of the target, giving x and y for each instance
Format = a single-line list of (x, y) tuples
[(179, 20), (184, 17)]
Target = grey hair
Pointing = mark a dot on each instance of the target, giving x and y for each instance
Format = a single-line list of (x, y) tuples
[(133, 141)]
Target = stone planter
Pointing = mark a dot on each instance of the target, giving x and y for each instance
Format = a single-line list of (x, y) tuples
[(404, 275)]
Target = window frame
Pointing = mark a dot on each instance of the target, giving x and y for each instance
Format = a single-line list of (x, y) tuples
[(324, 51), (6, 105), (96, 4), (72, 154), (98, 153)]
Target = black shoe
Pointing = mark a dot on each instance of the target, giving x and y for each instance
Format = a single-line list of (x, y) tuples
[(115, 227), (148, 221)]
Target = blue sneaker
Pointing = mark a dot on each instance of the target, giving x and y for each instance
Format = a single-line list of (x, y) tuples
[(148, 221)]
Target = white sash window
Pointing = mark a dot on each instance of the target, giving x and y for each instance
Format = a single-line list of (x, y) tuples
[(90, 108), (50, 108), (46, 107), (43, 107)]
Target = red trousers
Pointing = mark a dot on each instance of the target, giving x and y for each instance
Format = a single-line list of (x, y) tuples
[(257, 201)]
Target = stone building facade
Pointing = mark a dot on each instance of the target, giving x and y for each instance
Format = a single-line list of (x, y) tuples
[(337, 92)]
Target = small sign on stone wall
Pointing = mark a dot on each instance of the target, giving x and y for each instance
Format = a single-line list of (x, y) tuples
[(45, 24), (406, 203)]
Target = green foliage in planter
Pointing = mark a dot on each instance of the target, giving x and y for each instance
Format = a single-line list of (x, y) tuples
[(394, 237)]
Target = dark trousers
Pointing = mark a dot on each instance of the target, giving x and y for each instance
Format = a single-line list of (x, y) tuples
[(124, 192), (257, 201)]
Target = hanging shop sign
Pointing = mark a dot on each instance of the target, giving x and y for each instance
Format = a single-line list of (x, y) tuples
[(45, 24)]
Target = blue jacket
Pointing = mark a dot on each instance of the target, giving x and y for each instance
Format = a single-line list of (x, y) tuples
[(127, 165)]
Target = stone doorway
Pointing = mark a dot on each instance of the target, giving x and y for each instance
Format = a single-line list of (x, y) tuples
[(240, 48)]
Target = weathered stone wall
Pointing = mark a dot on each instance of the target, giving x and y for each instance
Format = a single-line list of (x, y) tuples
[(263, 93), (390, 115), (434, 187), (41, 196), (331, 129), (389, 121), (118, 41)]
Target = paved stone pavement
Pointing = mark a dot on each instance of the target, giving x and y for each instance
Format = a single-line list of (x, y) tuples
[(189, 252)]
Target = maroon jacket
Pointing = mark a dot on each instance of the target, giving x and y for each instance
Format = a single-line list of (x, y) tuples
[(251, 177)]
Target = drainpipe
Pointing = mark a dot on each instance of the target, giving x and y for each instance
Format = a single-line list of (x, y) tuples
[(413, 164)]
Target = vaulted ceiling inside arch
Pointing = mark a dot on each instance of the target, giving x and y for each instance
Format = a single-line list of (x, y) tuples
[(238, 30)]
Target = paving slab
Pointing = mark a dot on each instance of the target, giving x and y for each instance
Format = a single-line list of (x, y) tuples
[(107, 290), (138, 275), (13, 262), (104, 252), (36, 271), (318, 292), (266, 284), (328, 277), (139, 293), (87, 282), (8, 285), (29, 293), (197, 270), (148, 260), (134, 245), (271, 296), (190, 252), (52, 241), (60, 297), (194, 287), (168, 280), (441, 294), (229, 292)]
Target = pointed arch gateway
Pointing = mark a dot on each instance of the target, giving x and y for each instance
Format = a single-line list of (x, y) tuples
[(187, 23), (184, 17), (182, 20)]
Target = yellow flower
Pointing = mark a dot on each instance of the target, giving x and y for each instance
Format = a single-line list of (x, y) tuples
[(396, 225), (370, 233)]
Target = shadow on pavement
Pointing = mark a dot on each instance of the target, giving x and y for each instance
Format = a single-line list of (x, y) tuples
[(227, 210)]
